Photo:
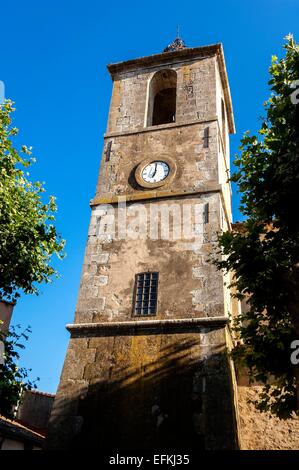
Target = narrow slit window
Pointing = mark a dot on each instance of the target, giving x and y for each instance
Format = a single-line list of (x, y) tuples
[(206, 137), (146, 293), (108, 151), (206, 213)]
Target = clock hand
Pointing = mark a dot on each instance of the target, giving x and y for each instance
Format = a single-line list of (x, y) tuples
[(155, 170), (151, 173)]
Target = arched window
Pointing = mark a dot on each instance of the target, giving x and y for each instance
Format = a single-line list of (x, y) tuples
[(162, 98)]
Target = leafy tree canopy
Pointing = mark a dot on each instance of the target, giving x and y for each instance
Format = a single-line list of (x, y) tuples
[(13, 379), (28, 238), (264, 253)]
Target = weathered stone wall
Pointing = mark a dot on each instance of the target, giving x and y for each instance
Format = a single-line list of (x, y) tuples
[(145, 391), (263, 431), (35, 409), (196, 92), (189, 286), (197, 165), (6, 309)]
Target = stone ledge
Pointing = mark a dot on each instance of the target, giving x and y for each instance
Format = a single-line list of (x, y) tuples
[(152, 194), (141, 327), (160, 127)]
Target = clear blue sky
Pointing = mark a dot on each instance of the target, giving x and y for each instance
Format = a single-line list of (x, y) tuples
[(53, 62)]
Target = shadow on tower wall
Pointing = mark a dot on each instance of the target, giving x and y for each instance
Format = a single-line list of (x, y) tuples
[(171, 395)]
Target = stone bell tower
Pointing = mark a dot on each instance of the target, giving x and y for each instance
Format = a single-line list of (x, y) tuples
[(146, 365)]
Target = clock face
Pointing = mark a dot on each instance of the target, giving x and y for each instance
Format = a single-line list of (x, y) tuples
[(155, 172)]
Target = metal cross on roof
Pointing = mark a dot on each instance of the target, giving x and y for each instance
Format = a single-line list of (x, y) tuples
[(177, 44)]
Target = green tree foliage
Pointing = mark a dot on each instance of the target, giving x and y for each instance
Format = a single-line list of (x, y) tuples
[(264, 253), (28, 238), (13, 379)]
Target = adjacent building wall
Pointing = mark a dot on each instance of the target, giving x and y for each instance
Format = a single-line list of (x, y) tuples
[(6, 309), (35, 409), (263, 431)]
